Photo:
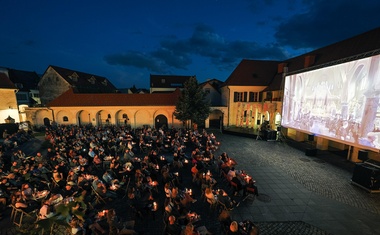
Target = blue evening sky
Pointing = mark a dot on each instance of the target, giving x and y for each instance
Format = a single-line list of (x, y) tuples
[(126, 40)]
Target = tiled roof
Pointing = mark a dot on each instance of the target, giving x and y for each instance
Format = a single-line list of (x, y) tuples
[(168, 81), (5, 82), (354, 47), (71, 99), (215, 83), (359, 46), (252, 73), (28, 80), (85, 82), (276, 83)]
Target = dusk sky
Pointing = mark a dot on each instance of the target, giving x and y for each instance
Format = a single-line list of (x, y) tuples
[(127, 40)]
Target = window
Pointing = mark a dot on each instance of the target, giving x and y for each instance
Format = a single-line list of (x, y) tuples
[(109, 115), (105, 82), (253, 97), (240, 96), (21, 96), (92, 80), (125, 115), (207, 90), (176, 85), (19, 85), (269, 96), (74, 77), (65, 119)]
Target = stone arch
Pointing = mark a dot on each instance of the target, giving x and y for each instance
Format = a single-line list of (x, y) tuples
[(123, 117), (216, 118), (277, 119), (83, 117), (142, 118), (160, 121), (42, 115), (104, 117), (61, 114), (165, 113)]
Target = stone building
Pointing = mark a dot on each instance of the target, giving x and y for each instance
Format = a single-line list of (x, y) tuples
[(56, 80), (136, 110), (166, 83)]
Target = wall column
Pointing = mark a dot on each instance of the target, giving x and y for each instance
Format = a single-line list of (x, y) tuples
[(322, 143), (300, 136)]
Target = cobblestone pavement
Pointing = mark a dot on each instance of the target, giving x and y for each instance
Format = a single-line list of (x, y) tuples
[(317, 176), (316, 181)]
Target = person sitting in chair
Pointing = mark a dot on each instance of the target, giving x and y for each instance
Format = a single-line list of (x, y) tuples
[(101, 189)]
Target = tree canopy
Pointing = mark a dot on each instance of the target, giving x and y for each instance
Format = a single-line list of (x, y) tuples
[(192, 104)]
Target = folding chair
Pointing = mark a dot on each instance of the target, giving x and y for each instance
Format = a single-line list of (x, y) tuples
[(234, 187), (126, 188), (221, 206), (54, 184), (250, 194), (18, 215), (213, 203), (98, 198)]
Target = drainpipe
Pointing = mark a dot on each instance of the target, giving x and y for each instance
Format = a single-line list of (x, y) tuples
[(52, 113), (228, 106)]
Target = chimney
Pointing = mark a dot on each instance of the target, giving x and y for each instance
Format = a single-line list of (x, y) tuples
[(309, 61), (280, 67)]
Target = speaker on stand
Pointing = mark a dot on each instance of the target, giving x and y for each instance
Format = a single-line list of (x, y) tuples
[(311, 151), (363, 155)]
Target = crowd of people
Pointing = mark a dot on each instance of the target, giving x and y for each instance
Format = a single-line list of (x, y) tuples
[(110, 176)]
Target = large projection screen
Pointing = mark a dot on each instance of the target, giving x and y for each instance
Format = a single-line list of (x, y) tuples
[(339, 102)]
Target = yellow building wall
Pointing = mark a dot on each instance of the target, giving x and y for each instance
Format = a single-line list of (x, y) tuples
[(136, 116), (250, 114), (8, 105)]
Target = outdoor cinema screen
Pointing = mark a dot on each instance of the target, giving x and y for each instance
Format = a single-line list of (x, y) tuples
[(339, 102)]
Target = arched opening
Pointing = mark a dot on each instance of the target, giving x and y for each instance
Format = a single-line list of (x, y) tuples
[(46, 122), (216, 119), (277, 119), (125, 119), (161, 121)]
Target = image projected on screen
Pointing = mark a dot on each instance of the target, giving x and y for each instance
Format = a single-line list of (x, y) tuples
[(339, 102)]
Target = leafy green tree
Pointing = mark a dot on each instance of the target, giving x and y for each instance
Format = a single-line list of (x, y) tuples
[(192, 104)]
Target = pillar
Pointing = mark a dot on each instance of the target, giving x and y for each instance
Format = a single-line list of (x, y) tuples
[(322, 143)]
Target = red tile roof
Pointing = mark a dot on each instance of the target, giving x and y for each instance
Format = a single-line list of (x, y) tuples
[(357, 47), (29, 80), (353, 48), (71, 99), (5, 82), (253, 73)]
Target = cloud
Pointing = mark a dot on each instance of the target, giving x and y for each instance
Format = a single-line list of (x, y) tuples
[(328, 22), (136, 59), (175, 53)]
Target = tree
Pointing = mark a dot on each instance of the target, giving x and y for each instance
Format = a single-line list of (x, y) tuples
[(192, 104)]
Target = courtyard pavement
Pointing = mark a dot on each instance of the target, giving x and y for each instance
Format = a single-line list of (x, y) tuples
[(298, 194), (295, 187)]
